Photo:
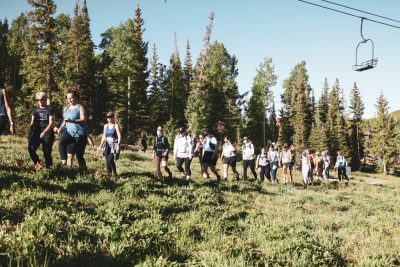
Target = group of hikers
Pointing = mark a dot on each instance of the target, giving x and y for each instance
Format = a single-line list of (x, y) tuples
[(271, 157), (73, 132)]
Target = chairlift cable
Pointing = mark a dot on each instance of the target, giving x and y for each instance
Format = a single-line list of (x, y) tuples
[(333, 3), (349, 14)]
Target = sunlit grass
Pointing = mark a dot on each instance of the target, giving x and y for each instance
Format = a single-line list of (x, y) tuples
[(60, 217)]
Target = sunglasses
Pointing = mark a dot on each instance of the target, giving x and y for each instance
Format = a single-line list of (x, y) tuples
[(41, 99)]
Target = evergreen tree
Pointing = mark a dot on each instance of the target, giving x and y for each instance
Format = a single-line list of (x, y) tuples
[(322, 104), (4, 58), (257, 122), (336, 125), (63, 25), (158, 95), (38, 64), (301, 108), (80, 59), (15, 40), (357, 111), (318, 139), (289, 98), (140, 73), (272, 124), (214, 104), (188, 69), (126, 68), (385, 135), (177, 94)]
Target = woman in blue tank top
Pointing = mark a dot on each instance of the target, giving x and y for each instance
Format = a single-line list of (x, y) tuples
[(74, 139), (112, 139)]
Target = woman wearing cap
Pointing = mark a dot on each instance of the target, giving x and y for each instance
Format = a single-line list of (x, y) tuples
[(112, 139), (229, 158), (210, 151), (183, 153), (160, 152), (248, 158), (40, 131), (74, 139)]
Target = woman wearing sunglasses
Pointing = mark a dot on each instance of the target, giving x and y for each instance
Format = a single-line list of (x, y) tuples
[(41, 131)]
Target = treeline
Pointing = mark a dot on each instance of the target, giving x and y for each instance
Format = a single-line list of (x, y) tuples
[(43, 52)]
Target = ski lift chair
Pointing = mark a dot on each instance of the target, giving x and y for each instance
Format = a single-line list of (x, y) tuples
[(369, 64)]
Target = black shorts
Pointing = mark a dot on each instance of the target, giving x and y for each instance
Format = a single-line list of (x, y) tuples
[(209, 158), (3, 124), (231, 161)]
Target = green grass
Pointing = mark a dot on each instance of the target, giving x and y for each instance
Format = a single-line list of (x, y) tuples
[(60, 217)]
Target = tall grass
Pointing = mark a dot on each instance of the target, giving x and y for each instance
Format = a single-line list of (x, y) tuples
[(61, 217)]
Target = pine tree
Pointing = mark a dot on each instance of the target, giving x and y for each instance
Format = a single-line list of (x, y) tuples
[(289, 99), (177, 94), (158, 94), (301, 108), (80, 59), (4, 55), (15, 40), (63, 25), (188, 70), (322, 104), (213, 105), (257, 122), (357, 111), (385, 135), (138, 89), (125, 67), (318, 139), (38, 65), (336, 125), (272, 124)]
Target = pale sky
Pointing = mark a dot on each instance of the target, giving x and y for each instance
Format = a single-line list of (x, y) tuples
[(287, 31)]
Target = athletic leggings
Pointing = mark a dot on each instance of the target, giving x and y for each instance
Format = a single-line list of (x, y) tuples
[(265, 171), (47, 145), (342, 173), (110, 162), (326, 173), (305, 170), (274, 169), (179, 163), (73, 145), (249, 163)]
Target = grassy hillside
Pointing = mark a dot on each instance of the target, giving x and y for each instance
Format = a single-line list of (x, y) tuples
[(62, 218)]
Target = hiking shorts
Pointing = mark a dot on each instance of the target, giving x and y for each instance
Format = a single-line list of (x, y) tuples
[(230, 161), (162, 160), (210, 158)]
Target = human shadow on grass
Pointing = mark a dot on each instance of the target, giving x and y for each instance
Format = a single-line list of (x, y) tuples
[(135, 174), (133, 157), (8, 180)]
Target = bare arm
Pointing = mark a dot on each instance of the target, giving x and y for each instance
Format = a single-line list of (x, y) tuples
[(103, 137), (8, 111), (119, 135)]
